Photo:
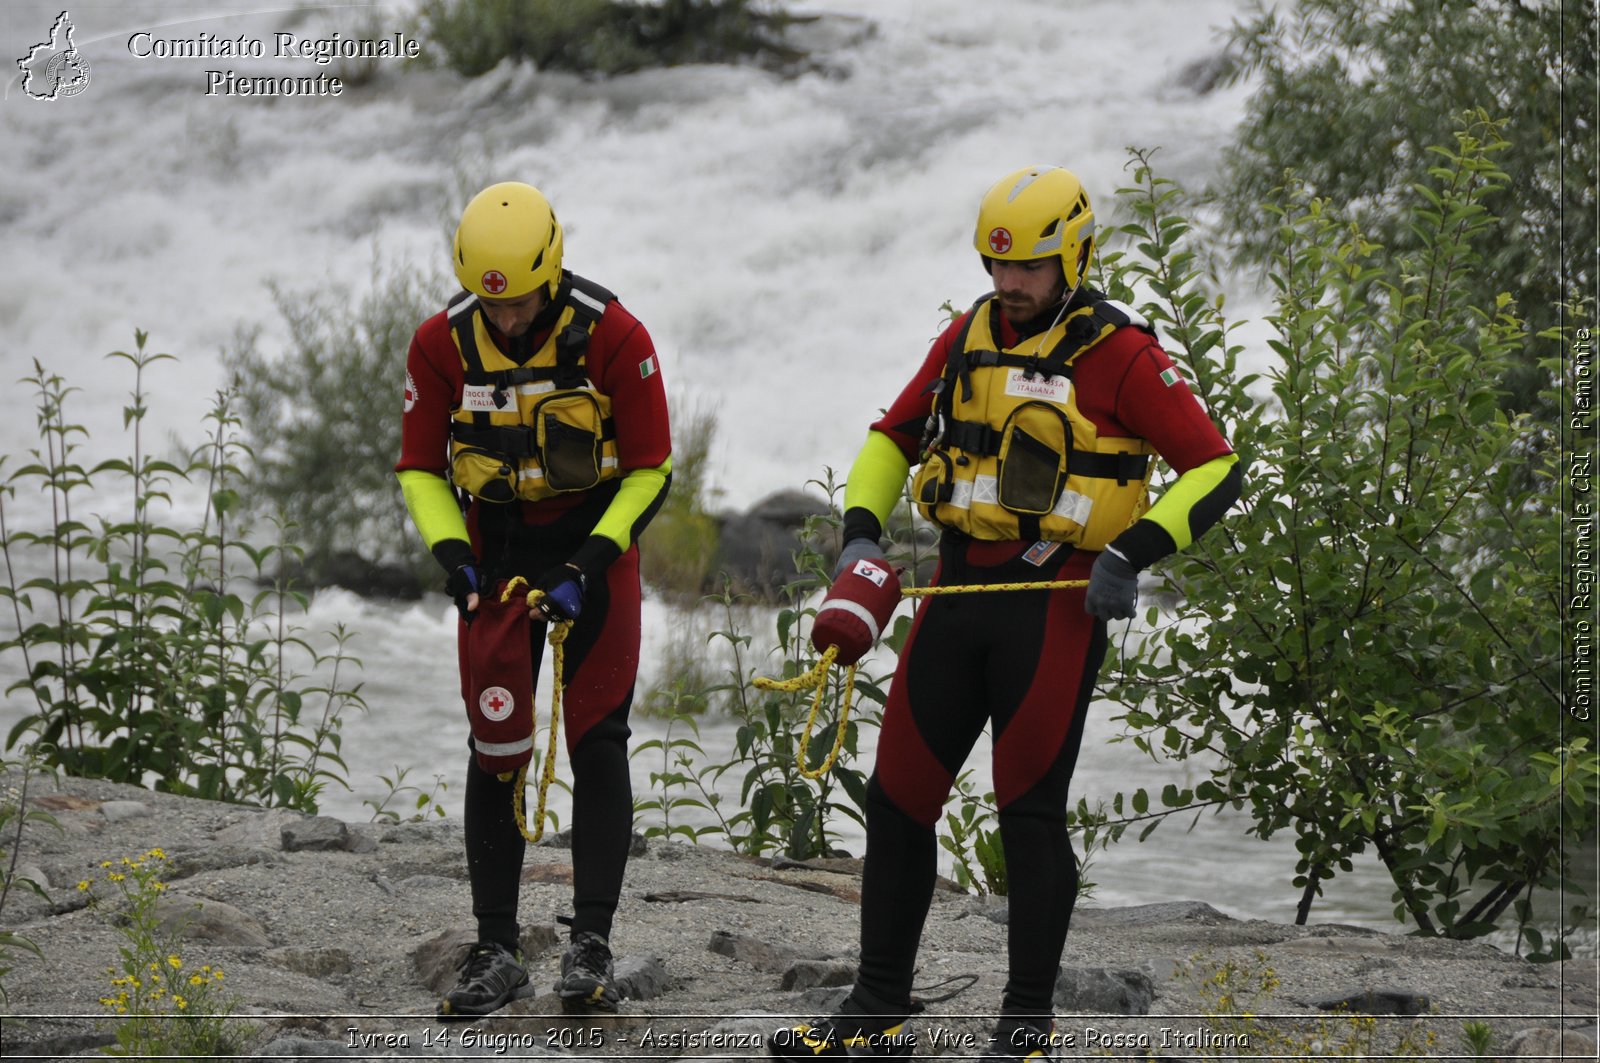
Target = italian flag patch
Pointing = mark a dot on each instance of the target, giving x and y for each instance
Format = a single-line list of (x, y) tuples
[(647, 368), (1171, 377)]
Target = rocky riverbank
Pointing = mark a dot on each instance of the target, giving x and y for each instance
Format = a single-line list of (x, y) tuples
[(337, 938)]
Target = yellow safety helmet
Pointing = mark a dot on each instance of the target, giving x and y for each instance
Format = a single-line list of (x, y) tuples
[(1036, 212), (508, 242)]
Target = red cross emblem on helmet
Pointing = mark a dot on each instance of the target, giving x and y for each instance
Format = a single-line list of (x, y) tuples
[(999, 240), (494, 282)]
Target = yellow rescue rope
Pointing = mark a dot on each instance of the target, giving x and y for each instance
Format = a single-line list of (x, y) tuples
[(817, 678), (558, 635)]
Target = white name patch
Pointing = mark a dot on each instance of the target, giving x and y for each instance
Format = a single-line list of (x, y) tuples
[(1050, 389), (479, 398)]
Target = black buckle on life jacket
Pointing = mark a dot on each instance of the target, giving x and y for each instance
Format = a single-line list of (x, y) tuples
[(973, 437)]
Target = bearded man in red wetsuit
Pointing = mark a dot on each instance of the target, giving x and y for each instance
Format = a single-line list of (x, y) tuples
[(534, 443), (1034, 420)]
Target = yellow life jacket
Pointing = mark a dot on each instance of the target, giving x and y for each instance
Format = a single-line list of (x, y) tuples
[(534, 429), (1008, 455)]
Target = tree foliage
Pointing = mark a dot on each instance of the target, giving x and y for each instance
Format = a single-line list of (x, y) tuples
[(1352, 94), (1367, 651), (604, 36), (323, 421)]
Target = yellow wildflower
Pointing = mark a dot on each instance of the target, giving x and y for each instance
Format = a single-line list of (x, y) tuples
[(174, 962), (182, 1003), (83, 886)]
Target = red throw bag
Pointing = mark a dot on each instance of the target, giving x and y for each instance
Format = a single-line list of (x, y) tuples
[(856, 609), (497, 682)]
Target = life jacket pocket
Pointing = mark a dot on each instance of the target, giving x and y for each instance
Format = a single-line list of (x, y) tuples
[(934, 482), (491, 477), (569, 430), (1034, 445)]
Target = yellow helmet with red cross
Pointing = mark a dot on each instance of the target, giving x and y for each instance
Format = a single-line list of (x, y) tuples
[(1038, 212), (508, 242)]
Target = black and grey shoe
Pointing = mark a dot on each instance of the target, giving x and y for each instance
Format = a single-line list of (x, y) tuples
[(587, 975), (491, 974), (843, 1036), (1018, 1039)]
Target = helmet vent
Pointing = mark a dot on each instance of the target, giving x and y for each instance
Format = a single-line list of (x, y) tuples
[(537, 260)]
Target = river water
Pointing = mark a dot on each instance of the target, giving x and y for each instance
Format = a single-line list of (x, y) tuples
[(788, 241)]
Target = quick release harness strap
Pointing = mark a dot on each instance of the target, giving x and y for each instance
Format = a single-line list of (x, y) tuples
[(515, 441), (977, 438)]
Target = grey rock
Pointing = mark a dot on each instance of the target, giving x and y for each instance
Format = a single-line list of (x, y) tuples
[(808, 974), (187, 863), (318, 834), (1548, 1043), (755, 952), (822, 1000), (203, 919), (426, 882), (300, 1048), (439, 958), (1369, 1001), (256, 829), (314, 963), (1104, 991), (641, 978), (638, 844), (756, 548), (122, 811), (1151, 915)]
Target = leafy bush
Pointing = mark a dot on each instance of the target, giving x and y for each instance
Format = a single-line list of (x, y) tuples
[(604, 36), (679, 548), (323, 421), (1369, 646), (1353, 94), (157, 654)]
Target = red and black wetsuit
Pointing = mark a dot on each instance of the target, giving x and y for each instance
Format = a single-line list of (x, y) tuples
[(592, 528), (1023, 662)]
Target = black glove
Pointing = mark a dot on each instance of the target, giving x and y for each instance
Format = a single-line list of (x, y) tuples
[(858, 550), (462, 575), (563, 588), (1113, 587)]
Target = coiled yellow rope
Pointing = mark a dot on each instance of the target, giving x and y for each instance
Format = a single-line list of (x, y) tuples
[(558, 635), (817, 678)]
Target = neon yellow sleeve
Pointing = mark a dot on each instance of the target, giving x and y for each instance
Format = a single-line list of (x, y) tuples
[(1187, 507), (638, 497), (877, 478), (432, 505)]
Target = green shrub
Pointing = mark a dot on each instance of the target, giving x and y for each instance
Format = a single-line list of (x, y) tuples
[(604, 36), (155, 654), (323, 421), (1368, 650), (678, 549), (1352, 95)]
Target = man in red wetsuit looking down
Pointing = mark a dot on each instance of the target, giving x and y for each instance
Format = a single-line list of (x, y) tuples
[(1034, 421), (534, 443)]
